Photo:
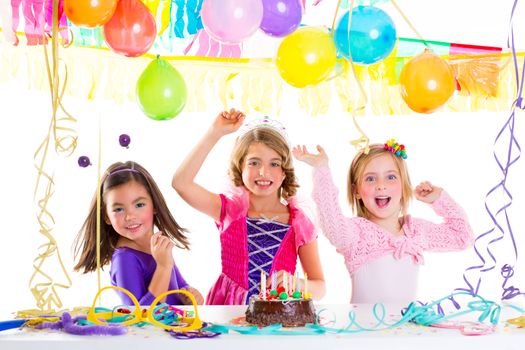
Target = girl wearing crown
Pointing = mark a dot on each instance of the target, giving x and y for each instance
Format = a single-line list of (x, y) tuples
[(261, 227), (383, 246)]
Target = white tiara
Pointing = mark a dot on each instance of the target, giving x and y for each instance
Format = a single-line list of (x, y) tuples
[(265, 122)]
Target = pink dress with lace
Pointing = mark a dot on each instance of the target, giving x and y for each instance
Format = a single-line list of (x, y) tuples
[(231, 288), (361, 241)]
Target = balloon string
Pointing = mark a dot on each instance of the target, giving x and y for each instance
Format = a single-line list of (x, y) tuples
[(45, 293), (409, 23), (360, 144), (99, 284), (335, 16)]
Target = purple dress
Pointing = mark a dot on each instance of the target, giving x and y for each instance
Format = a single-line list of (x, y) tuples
[(244, 254), (133, 270), (264, 239)]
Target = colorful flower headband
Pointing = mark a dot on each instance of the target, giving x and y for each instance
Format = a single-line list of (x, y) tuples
[(265, 122), (394, 147)]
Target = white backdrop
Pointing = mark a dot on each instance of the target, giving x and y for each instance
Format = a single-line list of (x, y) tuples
[(452, 150)]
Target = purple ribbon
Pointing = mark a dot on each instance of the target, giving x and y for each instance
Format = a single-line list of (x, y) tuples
[(500, 218)]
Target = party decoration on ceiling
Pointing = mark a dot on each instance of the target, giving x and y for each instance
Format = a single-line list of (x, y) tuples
[(89, 13), (482, 73), (159, 6), (124, 140), (366, 33), (6, 22), (83, 161), (426, 82), (185, 17), (281, 17), (62, 21), (161, 90), (306, 57), (205, 45), (231, 21), (132, 29)]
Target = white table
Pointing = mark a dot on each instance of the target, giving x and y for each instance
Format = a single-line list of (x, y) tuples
[(406, 337)]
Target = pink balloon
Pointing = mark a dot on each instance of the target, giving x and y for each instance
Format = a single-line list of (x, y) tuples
[(132, 29), (231, 21)]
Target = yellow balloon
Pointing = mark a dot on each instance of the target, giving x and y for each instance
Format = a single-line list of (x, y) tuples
[(426, 82), (306, 57)]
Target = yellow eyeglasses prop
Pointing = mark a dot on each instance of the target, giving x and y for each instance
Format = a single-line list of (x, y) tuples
[(136, 316)]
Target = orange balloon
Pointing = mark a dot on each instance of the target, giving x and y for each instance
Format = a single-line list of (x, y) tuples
[(426, 82), (89, 13)]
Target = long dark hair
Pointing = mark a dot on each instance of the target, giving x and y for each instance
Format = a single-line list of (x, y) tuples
[(118, 174)]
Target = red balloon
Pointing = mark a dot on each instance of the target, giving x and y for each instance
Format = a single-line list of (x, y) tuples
[(132, 29)]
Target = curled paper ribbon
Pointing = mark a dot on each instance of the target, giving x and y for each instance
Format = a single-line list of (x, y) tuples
[(507, 142), (518, 321), (45, 292)]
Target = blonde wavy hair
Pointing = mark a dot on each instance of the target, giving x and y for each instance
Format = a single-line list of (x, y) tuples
[(273, 139), (355, 177)]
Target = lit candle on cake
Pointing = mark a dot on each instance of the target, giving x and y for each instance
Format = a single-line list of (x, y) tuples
[(274, 281), (285, 281), (294, 282), (305, 285), (263, 285)]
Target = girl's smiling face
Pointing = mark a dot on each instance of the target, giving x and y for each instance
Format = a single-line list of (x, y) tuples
[(262, 173), (380, 189), (129, 209)]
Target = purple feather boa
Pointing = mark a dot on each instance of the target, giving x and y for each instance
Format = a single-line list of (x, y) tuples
[(69, 325)]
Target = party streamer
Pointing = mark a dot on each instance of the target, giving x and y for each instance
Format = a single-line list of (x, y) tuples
[(42, 284), (186, 18), (62, 20), (205, 45), (506, 151)]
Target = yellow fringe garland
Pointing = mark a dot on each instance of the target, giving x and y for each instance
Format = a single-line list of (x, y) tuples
[(487, 81)]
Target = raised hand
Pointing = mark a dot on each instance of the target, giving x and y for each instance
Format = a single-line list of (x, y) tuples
[(315, 160), (161, 250), (228, 122), (196, 294), (427, 193)]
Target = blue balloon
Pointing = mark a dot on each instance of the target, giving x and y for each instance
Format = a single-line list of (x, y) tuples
[(372, 35)]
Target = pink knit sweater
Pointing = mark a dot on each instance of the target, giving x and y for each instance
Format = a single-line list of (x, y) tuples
[(360, 240)]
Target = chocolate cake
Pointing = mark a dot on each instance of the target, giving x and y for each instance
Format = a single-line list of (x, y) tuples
[(289, 312)]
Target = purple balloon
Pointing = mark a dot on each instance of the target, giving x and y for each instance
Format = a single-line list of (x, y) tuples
[(281, 17), (83, 161), (124, 140)]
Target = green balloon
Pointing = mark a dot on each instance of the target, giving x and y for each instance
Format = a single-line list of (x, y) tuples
[(161, 90)]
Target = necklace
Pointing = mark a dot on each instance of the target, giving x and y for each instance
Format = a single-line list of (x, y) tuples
[(265, 220)]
